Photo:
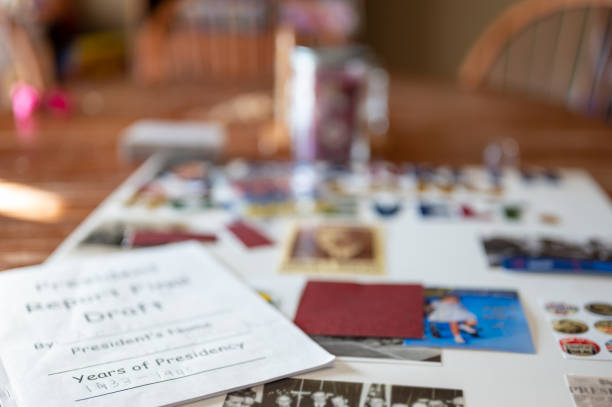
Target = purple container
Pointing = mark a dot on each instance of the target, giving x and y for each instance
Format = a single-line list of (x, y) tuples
[(328, 91)]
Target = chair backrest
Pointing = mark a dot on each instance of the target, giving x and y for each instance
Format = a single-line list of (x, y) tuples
[(200, 39), (555, 50)]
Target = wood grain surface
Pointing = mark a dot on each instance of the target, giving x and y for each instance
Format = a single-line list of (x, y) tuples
[(75, 158)]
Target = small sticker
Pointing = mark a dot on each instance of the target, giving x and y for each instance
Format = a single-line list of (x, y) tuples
[(609, 346), (604, 326), (549, 219), (579, 347), (570, 326), (600, 308), (561, 308), (513, 212)]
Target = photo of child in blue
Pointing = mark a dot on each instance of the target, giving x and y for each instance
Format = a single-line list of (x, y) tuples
[(449, 309), (474, 319)]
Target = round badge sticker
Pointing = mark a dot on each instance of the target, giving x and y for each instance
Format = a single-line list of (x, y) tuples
[(570, 326), (561, 308), (579, 347), (600, 308), (609, 345), (604, 326)]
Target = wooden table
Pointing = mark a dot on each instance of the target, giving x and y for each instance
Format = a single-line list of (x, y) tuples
[(75, 158)]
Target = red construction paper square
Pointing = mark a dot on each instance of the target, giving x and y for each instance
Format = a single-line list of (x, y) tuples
[(145, 238), (372, 310), (249, 235)]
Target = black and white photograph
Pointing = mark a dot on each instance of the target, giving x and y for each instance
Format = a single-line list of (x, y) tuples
[(376, 395), (298, 393), (377, 349), (405, 396), (244, 398), (322, 393)]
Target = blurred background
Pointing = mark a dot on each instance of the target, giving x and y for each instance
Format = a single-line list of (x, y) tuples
[(430, 38), (493, 82)]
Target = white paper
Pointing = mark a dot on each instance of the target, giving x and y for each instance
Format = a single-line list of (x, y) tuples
[(150, 327), (590, 391)]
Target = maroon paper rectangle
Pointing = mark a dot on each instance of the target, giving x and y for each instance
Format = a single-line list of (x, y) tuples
[(248, 235), (372, 310), (144, 238)]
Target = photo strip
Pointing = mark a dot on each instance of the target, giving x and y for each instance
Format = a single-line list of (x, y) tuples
[(323, 393)]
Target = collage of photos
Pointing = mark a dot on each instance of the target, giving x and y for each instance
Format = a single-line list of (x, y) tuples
[(474, 319), (178, 184), (242, 203), (582, 329), (274, 189), (320, 393), (548, 254)]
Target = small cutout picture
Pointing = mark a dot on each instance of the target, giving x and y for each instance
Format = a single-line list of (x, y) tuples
[(561, 308), (334, 248), (570, 326), (579, 347), (600, 308), (604, 326)]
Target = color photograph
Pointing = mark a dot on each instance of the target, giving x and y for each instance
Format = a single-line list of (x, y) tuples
[(475, 319), (334, 248)]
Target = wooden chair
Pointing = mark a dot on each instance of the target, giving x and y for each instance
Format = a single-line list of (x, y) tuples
[(188, 39), (554, 50)]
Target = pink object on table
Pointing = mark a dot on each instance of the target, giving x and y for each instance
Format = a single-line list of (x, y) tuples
[(372, 310), (58, 102), (25, 99)]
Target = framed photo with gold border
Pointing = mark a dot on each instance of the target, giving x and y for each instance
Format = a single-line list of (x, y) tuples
[(334, 248)]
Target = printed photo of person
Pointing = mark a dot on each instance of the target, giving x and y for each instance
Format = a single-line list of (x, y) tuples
[(282, 393), (449, 310), (376, 396), (330, 394), (243, 398), (474, 319)]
